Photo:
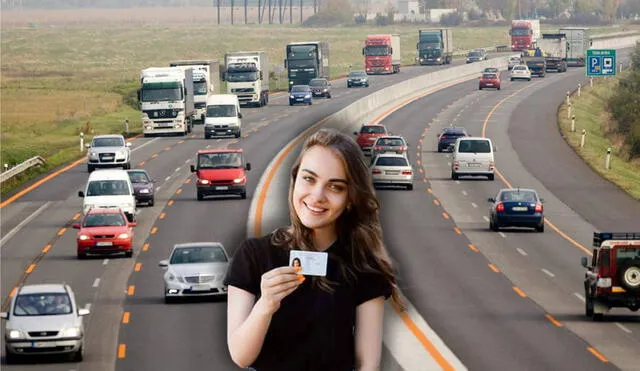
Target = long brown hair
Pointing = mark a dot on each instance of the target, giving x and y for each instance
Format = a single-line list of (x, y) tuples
[(358, 227)]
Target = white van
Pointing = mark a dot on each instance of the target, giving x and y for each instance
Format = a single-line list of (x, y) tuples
[(223, 116), (109, 189), (473, 156)]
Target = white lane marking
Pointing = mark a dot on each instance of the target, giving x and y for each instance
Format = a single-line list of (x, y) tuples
[(522, 252), (177, 169), (217, 141), (167, 178), (146, 143), (623, 328), (96, 283), (548, 273), (18, 227), (87, 306), (158, 188), (105, 262), (457, 182), (187, 161), (464, 193), (502, 235), (580, 297), (486, 219), (209, 145), (476, 206)]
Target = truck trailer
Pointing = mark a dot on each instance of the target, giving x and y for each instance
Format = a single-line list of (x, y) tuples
[(554, 48), (578, 42), (435, 46), (247, 76), (382, 54), (206, 81), (306, 61)]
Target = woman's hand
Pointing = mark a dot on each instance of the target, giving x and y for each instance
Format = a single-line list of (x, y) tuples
[(276, 285)]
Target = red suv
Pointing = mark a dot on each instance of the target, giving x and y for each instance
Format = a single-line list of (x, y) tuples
[(220, 172), (489, 80), (613, 278), (368, 135), (104, 231)]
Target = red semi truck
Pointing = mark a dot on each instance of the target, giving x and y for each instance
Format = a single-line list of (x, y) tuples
[(524, 34), (382, 54)]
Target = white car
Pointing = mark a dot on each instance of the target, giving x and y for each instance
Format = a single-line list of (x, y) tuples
[(195, 269), (514, 61), (520, 72), (392, 169), (108, 151), (44, 319)]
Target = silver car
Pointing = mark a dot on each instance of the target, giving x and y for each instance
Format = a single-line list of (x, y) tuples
[(195, 269), (108, 151), (44, 319), (393, 144), (392, 169)]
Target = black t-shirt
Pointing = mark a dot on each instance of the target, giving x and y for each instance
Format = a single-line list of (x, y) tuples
[(312, 329)]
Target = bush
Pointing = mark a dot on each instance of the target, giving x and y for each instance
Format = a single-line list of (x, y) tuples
[(451, 19), (381, 20), (360, 19)]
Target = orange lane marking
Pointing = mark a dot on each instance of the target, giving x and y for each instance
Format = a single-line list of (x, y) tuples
[(598, 354), (181, 141), (420, 171), (433, 351), (170, 203), (420, 141), (154, 230), (141, 163), (472, 247), (436, 202), (131, 290), (46, 248), (138, 267), (61, 232), (458, 231), (76, 216), (125, 317), (30, 269), (520, 292), (162, 215), (445, 215), (553, 320), (418, 147), (179, 191), (145, 247), (13, 292), (154, 155), (418, 161), (188, 181), (429, 190), (167, 148), (494, 268), (122, 351), (425, 180)]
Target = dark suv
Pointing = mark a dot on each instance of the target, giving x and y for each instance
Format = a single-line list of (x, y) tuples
[(613, 277), (447, 138), (320, 88)]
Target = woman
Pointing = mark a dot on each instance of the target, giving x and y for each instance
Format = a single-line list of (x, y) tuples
[(296, 263), (278, 320)]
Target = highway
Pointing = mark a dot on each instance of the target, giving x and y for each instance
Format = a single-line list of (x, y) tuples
[(472, 306)]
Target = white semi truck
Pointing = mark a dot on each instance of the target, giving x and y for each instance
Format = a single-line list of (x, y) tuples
[(166, 100), (247, 76), (206, 81)]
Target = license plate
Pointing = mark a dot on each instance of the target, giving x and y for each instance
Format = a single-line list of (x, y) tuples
[(107, 158), (392, 172), (104, 243), (519, 208), (223, 188), (199, 288), (473, 165), (42, 344), (489, 84), (299, 99)]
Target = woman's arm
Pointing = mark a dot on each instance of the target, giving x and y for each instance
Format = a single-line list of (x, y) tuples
[(368, 335)]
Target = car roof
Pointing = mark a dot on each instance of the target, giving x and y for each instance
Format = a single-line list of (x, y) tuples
[(198, 244), (109, 136), (319, 79), (300, 86), (390, 137), (137, 171), (363, 125), (391, 155), (454, 130), (102, 210), (474, 138), (109, 174), (222, 99), (489, 74), (220, 150), (42, 288)]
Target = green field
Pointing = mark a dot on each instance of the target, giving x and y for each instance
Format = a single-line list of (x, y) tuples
[(58, 81), (590, 113)]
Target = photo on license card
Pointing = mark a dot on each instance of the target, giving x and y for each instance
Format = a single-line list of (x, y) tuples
[(312, 263)]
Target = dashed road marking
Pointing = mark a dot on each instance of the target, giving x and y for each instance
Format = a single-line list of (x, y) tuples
[(458, 230), (486, 218), (61, 231), (494, 268), (145, 247), (522, 252), (137, 267), (464, 193), (597, 354), (125, 317), (30, 269), (153, 230), (502, 235), (105, 262), (474, 205), (548, 273), (553, 320), (122, 351), (167, 178), (519, 292), (473, 247), (580, 297), (162, 215), (436, 202), (179, 191), (170, 203), (624, 328), (445, 215), (177, 169), (131, 290), (96, 282), (46, 248)]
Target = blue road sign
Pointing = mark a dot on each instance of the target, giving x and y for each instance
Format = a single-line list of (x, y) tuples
[(601, 62)]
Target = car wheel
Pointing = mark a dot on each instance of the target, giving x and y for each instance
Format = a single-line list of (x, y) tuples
[(630, 276), (597, 317), (454, 176), (511, 79), (128, 254), (169, 299), (348, 86), (410, 187), (89, 168), (206, 136), (529, 79), (237, 135), (329, 96), (82, 256), (291, 104), (127, 166), (439, 149), (9, 357), (151, 202), (540, 228), (479, 87), (367, 85), (491, 176), (243, 195), (78, 356), (310, 103), (200, 196), (588, 305), (498, 88), (493, 226)]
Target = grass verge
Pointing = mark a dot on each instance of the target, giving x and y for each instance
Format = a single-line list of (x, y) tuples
[(592, 116)]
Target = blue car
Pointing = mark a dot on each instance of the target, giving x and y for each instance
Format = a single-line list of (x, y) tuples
[(300, 94), (517, 207)]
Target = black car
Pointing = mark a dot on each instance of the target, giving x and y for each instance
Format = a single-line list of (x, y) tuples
[(320, 88), (357, 78), (476, 55), (516, 208), (142, 186), (447, 138)]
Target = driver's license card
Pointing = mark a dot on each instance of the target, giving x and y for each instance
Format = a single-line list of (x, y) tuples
[(313, 263)]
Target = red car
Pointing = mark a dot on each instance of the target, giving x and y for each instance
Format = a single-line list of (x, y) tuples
[(490, 80), (368, 135), (221, 172), (105, 231)]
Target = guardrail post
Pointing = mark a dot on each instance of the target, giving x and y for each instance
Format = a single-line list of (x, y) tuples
[(569, 110), (126, 126), (620, 68), (573, 124), (584, 134), (568, 102), (591, 82), (81, 142), (579, 88), (6, 167), (607, 162)]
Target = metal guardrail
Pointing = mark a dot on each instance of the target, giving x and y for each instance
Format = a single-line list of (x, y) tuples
[(20, 168)]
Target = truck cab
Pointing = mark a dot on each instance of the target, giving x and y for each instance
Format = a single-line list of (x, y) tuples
[(613, 275), (220, 172)]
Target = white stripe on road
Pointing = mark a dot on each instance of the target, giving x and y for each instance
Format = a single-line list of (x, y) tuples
[(548, 273), (18, 227), (96, 283), (167, 178), (502, 235), (105, 262), (145, 144), (177, 169), (579, 296), (474, 205), (464, 193), (522, 252), (623, 328), (485, 218)]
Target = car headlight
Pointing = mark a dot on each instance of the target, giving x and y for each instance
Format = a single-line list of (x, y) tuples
[(145, 190), (71, 332), (324, 90), (83, 237), (93, 154), (291, 97), (16, 334), (122, 153), (364, 80), (308, 96), (123, 235), (203, 181), (172, 276), (238, 180)]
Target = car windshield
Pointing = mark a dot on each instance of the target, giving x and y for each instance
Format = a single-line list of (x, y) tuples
[(390, 142), (42, 304), (299, 89), (104, 220), (625, 255), (222, 110), (518, 196), (372, 129), (474, 54), (490, 76), (358, 74), (108, 142), (222, 160), (138, 177), (108, 188), (519, 68), (454, 134), (318, 82), (474, 146), (198, 254), (391, 161), (490, 69)]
